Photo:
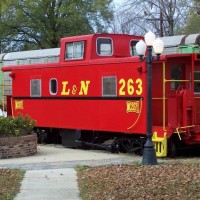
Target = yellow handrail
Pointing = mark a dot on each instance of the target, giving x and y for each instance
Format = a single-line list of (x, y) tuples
[(164, 97), (182, 127), (171, 80)]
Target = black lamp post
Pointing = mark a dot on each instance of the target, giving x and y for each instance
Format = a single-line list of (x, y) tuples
[(149, 154)]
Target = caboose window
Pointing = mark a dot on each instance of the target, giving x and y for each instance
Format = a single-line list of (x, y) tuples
[(35, 88), (104, 47), (176, 74), (109, 86), (132, 47), (53, 86), (74, 50), (197, 81)]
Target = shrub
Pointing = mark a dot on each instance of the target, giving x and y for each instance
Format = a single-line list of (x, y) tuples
[(21, 125)]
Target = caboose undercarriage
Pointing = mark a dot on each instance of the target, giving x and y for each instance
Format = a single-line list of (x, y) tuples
[(114, 142)]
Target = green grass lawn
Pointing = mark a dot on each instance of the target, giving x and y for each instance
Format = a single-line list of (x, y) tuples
[(10, 181)]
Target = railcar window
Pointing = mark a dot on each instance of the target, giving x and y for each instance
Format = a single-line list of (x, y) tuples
[(53, 86), (74, 50), (104, 47), (176, 74), (109, 86), (132, 47), (197, 81), (35, 88)]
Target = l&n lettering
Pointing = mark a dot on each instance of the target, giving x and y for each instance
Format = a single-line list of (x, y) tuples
[(83, 88)]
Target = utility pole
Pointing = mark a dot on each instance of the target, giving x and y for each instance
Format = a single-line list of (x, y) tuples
[(161, 23), (161, 20)]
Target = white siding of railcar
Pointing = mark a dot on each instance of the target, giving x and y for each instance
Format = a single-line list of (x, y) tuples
[(32, 57)]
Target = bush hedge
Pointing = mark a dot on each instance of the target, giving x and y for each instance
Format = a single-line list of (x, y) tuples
[(21, 125)]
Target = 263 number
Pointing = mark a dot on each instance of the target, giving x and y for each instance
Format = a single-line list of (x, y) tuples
[(130, 87)]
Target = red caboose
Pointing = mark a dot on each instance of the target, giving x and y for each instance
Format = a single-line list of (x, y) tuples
[(98, 87)]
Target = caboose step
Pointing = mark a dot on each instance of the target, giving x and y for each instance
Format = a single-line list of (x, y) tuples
[(160, 145)]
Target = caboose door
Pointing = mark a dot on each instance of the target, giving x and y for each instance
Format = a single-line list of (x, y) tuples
[(197, 90), (179, 93)]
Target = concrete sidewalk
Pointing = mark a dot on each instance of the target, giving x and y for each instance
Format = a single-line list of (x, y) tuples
[(58, 154), (50, 184), (50, 174)]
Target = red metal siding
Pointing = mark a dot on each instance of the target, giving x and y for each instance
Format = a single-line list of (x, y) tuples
[(71, 109)]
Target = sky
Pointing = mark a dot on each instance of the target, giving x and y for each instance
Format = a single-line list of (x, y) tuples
[(118, 2)]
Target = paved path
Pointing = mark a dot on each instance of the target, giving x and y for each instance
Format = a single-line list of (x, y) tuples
[(58, 157), (49, 184), (50, 174)]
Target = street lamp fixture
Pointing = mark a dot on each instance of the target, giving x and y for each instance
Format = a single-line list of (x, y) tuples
[(149, 154)]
